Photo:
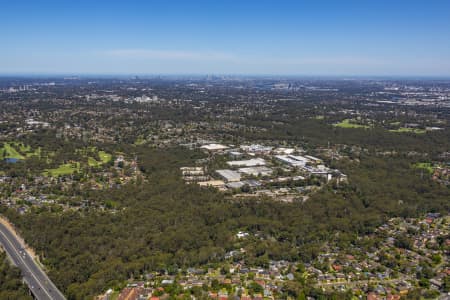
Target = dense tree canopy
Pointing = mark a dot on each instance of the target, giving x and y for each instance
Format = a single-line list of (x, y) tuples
[(163, 222), (11, 285)]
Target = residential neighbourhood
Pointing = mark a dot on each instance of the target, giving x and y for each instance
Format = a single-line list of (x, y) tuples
[(273, 188), (399, 257), (94, 170), (225, 150)]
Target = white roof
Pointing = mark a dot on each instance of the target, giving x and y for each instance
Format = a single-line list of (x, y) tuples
[(247, 163), (285, 150), (191, 169), (299, 158), (214, 147), (256, 171), (256, 148), (236, 153), (291, 161), (235, 185), (229, 175)]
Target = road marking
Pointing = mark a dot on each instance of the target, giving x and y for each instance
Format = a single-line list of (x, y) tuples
[(25, 264), (39, 271)]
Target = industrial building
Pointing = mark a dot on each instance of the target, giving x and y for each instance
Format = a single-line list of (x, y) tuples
[(235, 185), (256, 171), (229, 175), (256, 149), (247, 163), (214, 147), (214, 183), (292, 160)]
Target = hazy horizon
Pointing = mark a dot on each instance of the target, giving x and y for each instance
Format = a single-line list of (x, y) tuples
[(283, 38)]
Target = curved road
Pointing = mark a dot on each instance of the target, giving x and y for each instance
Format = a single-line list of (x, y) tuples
[(38, 282)]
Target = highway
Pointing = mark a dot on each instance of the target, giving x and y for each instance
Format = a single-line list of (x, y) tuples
[(38, 282)]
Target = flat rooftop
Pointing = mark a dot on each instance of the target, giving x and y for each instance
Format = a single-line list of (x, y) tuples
[(229, 175), (247, 163), (255, 171), (214, 147)]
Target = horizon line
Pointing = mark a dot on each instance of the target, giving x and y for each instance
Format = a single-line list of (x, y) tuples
[(185, 74)]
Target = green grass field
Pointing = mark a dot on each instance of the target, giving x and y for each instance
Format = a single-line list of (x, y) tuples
[(18, 151), (347, 123), (64, 169), (405, 129), (140, 141), (92, 162), (9, 151), (104, 158), (425, 166)]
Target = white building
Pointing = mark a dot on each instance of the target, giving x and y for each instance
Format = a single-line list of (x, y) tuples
[(292, 160), (256, 171), (242, 234), (247, 163), (229, 175), (214, 147), (256, 148), (285, 151)]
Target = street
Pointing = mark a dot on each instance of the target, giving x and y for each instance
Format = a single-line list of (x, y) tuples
[(38, 282)]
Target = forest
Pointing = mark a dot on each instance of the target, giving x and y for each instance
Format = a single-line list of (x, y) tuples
[(12, 287), (163, 223), (157, 223)]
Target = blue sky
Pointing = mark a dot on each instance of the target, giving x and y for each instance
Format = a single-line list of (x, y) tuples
[(315, 37)]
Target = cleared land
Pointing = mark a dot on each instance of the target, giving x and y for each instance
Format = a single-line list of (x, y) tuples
[(425, 166), (64, 169), (405, 129), (8, 151), (104, 158), (348, 123), (18, 151)]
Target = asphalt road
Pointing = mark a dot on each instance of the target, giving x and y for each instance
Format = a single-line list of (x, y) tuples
[(38, 282)]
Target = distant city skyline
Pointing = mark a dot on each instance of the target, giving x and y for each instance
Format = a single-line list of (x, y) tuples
[(309, 38)]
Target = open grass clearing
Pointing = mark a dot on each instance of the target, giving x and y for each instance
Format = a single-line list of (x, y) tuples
[(406, 129), (64, 169), (348, 123), (9, 151), (424, 166)]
